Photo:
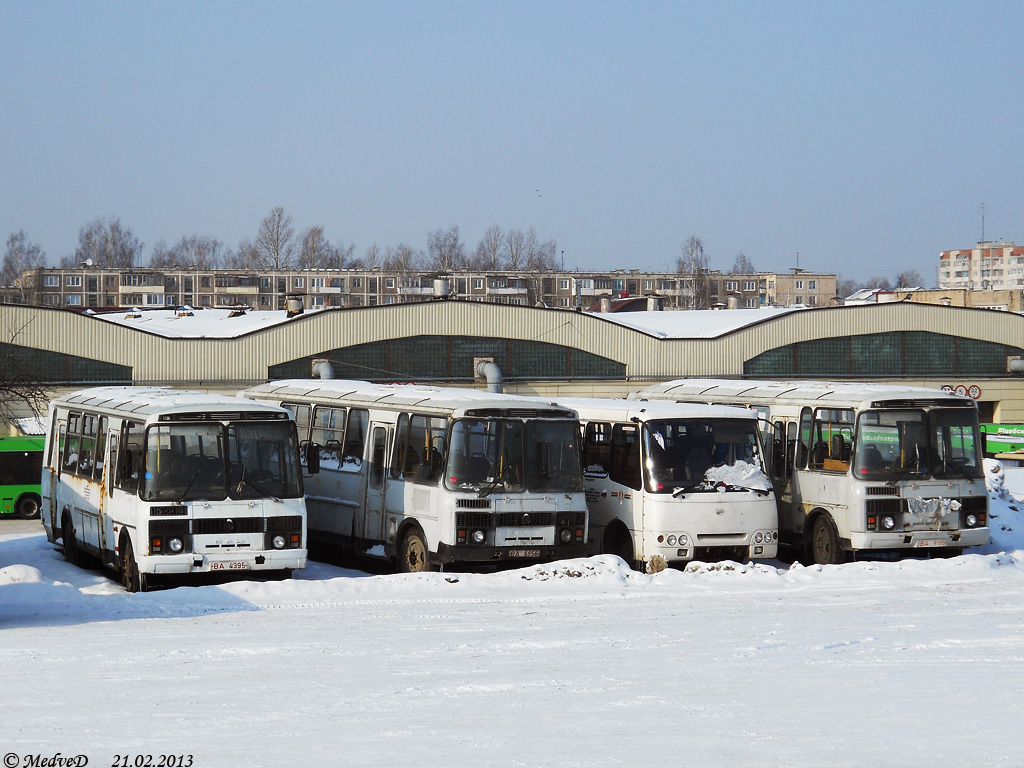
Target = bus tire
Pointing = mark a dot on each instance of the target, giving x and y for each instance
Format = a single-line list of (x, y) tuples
[(67, 534), (825, 548), (29, 507), (131, 579), (617, 541), (413, 554)]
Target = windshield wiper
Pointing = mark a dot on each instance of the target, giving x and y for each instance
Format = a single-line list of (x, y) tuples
[(903, 471), (189, 486), (691, 487), (488, 489), (758, 491), (243, 480)]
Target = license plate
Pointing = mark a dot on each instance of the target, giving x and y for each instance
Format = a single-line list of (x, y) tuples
[(524, 553), (231, 565), (931, 543)]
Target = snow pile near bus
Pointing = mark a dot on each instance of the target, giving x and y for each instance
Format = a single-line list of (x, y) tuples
[(1005, 509)]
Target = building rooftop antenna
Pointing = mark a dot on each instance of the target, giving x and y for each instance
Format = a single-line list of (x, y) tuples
[(983, 206)]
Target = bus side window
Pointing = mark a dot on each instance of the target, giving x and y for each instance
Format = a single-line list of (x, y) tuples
[(101, 451), (378, 456), (355, 436), (72, 444), (300, 415), (597, 448), (790, 447), (402, 460), (804, 445), (129, 463), (780, 469), (112, 458), (625, 458)]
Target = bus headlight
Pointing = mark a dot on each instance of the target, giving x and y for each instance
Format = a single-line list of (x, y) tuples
[(175, 544), (758, 537), (971, 520), (565, 535), (479, 537), (278, 542), (683, 540), (671, 541), (888, 522)]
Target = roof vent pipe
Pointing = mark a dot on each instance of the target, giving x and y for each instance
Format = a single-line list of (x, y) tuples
[(492, 373), (322, 368)]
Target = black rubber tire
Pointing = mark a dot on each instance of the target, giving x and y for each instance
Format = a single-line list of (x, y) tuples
[(67, 534), (28, 507), (824, 548), (131, 579), (617, 541), (413, 554)]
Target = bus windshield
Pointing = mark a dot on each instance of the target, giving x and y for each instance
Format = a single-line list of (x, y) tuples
[(896, 444), (210, 462), (514, 455), (679, 452)]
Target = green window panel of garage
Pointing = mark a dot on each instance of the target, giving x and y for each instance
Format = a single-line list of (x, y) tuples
[(899, 353), (46, 367), (450, 358)]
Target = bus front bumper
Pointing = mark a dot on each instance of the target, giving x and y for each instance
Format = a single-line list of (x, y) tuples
[(447, 553), (919, 540), (226, 563)]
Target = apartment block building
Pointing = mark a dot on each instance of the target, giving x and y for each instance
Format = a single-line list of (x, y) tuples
[(987, 266), (98, 288)]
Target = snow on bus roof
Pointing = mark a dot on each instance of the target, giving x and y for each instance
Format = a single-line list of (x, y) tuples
[(403, 394), (695, 323), (653, 409), (149, 400)]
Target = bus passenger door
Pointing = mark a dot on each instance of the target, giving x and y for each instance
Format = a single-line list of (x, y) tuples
[(376, 483)]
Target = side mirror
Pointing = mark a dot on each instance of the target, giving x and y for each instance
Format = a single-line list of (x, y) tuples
[(312, 458)]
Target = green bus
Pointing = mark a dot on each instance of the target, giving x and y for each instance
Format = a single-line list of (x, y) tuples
[(21, 467)]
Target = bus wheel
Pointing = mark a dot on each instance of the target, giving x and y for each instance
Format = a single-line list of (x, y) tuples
[(131, 579), (28, 507), (413, 555), (617, 541), (67, 534), (825, 547)]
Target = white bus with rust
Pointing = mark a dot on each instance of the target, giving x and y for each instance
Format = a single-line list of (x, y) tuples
[(156, 482), (431, 476), (669, 483), (863, 468)]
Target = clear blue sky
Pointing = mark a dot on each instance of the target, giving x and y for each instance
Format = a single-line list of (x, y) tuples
[(864, 135)]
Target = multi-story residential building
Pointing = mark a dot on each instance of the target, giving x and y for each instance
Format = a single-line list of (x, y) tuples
[(987, 266), (97, 287)]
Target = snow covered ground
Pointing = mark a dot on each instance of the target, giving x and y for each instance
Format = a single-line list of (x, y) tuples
[(580, 663)]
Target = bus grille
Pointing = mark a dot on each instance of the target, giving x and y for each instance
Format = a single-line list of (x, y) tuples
[(473, 520), (168, 527), (974, 504), (882, 490), (473, 503), (520, 519), (882, 507), (227, 525), (168, 511), (572, 519), (284, 523)]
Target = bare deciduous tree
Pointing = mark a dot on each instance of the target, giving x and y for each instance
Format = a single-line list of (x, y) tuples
[(692, 266), (515, 250), (20, 385), (20, 256), (488, 252), (106, 243), (540, 257), (191, 251), (445, 251), (909, 279), (401, 258), (742, 265), (316, 251), (275, 244)]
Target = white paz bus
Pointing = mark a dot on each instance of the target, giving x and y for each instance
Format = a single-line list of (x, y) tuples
[(428, 476), (863, 468), (668, 483), (157, 482)]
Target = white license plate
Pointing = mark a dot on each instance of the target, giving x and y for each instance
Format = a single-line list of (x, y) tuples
[(524, 553), (931, 543), (230, 565)]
